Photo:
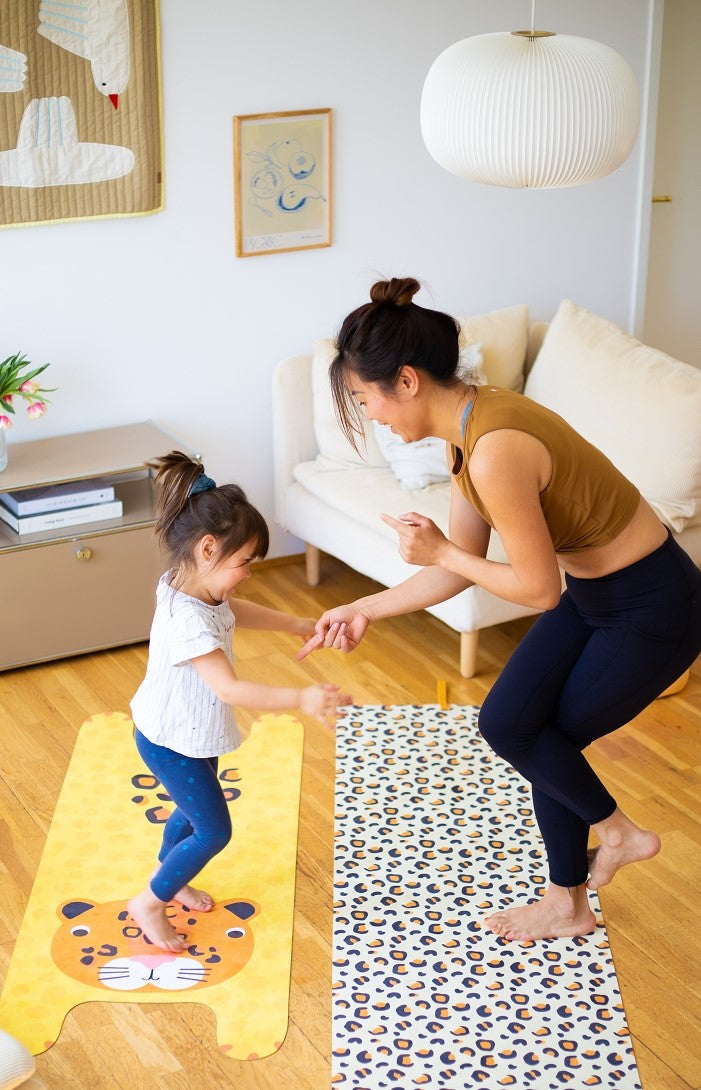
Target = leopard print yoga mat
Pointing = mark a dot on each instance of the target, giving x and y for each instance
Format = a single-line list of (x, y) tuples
[(433, 831)]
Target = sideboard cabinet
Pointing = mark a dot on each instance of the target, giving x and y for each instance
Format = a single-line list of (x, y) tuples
[(81, 588)]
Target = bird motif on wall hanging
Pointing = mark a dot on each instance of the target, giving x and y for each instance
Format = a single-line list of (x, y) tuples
[(97, 30), (13, 69), (49, 151)]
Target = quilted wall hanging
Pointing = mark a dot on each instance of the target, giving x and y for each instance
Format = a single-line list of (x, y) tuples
[(80, 110)]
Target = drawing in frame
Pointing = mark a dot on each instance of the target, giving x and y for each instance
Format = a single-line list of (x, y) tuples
[(282, 178)]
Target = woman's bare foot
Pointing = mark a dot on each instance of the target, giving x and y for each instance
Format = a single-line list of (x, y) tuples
[(197, 900), (560, 913), (150, 914), (621, 842)]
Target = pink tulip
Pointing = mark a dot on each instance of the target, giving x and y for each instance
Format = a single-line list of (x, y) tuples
[(5, 423), (8, 398), (35, 410), (29, 387)]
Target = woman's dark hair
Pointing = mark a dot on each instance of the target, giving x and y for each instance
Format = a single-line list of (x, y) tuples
[(183, 519), (380, 337)]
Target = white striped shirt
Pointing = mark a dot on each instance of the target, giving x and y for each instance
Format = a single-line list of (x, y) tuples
[(173, 706)]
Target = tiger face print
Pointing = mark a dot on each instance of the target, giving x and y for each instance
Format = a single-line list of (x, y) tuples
[(101, 945)]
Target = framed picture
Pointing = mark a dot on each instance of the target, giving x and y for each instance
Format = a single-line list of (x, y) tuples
[(282, 175)]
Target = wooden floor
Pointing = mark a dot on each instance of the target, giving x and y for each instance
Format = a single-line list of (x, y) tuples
[(652, 910)]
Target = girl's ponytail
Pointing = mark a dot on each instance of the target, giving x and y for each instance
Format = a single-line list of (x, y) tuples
[(176, 473), (190, 506)]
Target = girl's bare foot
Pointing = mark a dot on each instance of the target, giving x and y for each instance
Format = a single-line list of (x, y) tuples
[(560, 913), (621, 842), (150, 914), (197, 900)]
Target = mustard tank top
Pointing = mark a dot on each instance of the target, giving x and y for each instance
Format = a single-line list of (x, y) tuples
[(587, 501)]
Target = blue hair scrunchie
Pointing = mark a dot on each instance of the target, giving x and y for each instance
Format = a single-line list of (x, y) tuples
[(202, 484)]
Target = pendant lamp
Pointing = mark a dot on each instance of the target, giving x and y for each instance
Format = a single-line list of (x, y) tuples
[(530, 108)]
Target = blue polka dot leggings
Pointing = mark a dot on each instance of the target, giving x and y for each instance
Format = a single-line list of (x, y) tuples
[(200, 826)]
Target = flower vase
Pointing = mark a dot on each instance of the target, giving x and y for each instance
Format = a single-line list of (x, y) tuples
[(3, 449)]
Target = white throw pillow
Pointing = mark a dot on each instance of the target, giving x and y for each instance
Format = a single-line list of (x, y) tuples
[(503, 337), (332, 443), (639, 406), (415, 465)]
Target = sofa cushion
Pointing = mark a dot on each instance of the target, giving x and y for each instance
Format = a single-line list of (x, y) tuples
[(332, 443), (503, 337), (366, 492), (639, 406)]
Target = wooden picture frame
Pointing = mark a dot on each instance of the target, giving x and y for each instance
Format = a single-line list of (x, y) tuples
[(282, 181)]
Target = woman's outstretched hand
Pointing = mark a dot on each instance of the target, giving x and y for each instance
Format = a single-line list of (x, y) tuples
[(341, 628), (420, 540)]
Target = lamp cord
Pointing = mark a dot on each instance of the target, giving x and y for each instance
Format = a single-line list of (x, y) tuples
[(532, 16)]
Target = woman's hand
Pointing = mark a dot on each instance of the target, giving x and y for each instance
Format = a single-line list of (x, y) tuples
[(323, 701), (420, 540), (341, 628)]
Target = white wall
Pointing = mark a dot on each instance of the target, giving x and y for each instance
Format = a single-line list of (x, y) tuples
[(155, 318)]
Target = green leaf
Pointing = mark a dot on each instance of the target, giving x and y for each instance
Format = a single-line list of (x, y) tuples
[(15, 371), (32, 374), (18, 358)]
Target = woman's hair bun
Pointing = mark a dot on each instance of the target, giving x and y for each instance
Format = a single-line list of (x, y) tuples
[(397, 291)]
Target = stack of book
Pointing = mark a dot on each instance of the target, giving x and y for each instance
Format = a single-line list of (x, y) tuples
[(30, 510)]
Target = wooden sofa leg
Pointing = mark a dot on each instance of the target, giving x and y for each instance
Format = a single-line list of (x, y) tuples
[(313, 564), (468, 653)]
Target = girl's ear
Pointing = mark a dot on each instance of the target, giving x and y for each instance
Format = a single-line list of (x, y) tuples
[(206, 548)]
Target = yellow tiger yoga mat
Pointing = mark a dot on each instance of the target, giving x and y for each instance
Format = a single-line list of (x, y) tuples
[(77, 942)]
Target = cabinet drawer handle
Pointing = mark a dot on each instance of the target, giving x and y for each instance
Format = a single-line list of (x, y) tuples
[(83, 553)]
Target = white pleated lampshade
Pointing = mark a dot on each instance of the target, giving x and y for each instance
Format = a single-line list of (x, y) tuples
[(530, 109)]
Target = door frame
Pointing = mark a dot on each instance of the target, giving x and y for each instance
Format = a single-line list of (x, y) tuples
[(648, 128)]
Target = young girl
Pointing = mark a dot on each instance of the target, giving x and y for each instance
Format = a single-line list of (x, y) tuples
[(628, 625), (182, 710)]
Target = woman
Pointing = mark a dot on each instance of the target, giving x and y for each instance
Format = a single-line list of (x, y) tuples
[(628, 625)]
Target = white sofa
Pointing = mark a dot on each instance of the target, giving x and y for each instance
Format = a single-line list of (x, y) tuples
[(638, 405)]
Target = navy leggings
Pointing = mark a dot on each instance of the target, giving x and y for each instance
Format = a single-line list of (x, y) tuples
[(199, 827), (584, 669)]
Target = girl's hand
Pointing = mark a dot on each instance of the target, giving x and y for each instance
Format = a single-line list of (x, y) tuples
[(341, 628), (323, 701), (420, 540), (304, 627)]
